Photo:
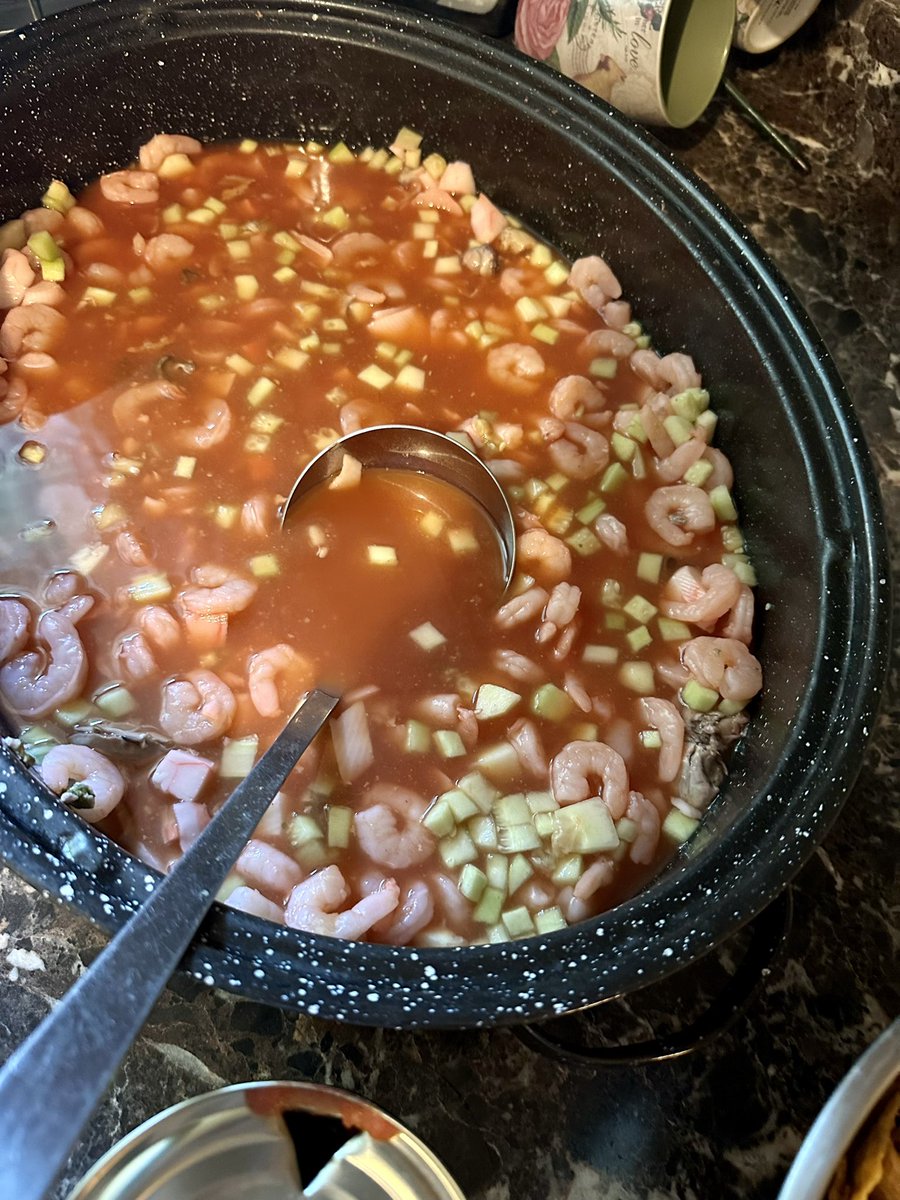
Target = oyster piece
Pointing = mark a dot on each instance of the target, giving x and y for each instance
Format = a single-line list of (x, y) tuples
[(708, 739), (128, 742)]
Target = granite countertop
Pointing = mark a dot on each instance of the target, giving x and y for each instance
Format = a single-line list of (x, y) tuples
[(726, 1121)]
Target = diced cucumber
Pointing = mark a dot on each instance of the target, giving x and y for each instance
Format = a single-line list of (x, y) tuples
[(678, 429), (613, 478), (614, 620), (699, 698), (640, 609), (650, 739), (649, 567), (472, 882), (591, 511), (512, 810), (585, 731), (115, 701), (302, 829), (603, 368), (516, 839), (238, 757), (544, 824), (568, 870), (489, 906), (518, 922), (678, 827), (672, 631), (340, 824), (552, 703), (723, 504), (638, 677), (541, 802), (479, 789), (461, 805), (418, 737), (639, 638), (58, 197), (623, 447), (497, 933), (691, 403), (499, 761), (449, 743), (520, 871), (584, 828), (583, 542), (439, 819), (729, 707), (497, 869), (611, 593), (457, 850), (491, 701), (230, 884), (312, 855), (601, 655), (74, 712), (483, 832), (698, 473), (548, 920)]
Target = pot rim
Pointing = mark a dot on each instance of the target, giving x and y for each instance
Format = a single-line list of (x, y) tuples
[(655, 932)]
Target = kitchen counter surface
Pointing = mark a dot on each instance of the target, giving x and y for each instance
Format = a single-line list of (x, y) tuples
[(726, 1121)]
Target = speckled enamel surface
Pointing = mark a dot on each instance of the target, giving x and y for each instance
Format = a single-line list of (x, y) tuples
[(508, 1122)]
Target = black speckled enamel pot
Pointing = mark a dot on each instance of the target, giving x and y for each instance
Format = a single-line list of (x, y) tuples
[(81, 91)]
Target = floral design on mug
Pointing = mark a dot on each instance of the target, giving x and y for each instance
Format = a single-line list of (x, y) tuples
[(539, 24)]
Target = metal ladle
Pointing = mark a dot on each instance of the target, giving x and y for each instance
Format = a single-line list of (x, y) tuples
[(52, 1083)]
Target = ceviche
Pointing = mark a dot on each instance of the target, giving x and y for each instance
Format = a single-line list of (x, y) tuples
[(177, 342)]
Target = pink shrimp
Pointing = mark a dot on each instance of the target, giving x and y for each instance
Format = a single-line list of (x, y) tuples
[(30, 327), (159, 627), (266, 668), (15, 624), (405, 325), (598, 875), (577, 692), (389, 829), (515, 368), (130, 187), (358, 249), (182, 774), (677, 513), (517, 666), (725, 665), (605, 343), (83, 224), (217, 592), (458, 178), (582, 770), (594, 281), (413, 914), (644, 814), (487, 221), (257, 514), (549, 558), (315, 906), (16, 277), (699, 598), (167, 252), (436, 197), (612, 533), (664, 717), (672, 468), (37, 682), (134, 658), (574, 395), (560, 610), (153, 154), (249, 900), (130, 407), (84, 779), (581, 453), (722, 474), (526, 741), (360, 414), (214, 428), (739, 621), (197, 707), (45, 291), (617, 314), (521, 608), (268, 869)]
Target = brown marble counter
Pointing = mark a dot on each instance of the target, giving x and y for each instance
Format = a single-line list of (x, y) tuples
[(726, 1121)]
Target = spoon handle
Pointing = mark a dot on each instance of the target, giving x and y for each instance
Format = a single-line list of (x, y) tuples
[(51, 1085)]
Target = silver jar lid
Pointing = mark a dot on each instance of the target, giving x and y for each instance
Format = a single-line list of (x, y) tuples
[(270, 1141)]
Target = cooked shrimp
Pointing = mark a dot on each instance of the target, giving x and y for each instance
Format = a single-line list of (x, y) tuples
[(677, 513), (644, 814), (84, 779), (130, 187), (132, 550), (270, 870), (594, 281), (249, 900), (313, 906), (83, 223), (16, 277), (414, 912), (217, 592), (263, 672), (576, 691), (30, 327), (739, 622), (560, 610), (167, 252), (405, 325), (154, 153), (358, 249), (722, 474), (487, 221), (675, 372), (517, 666), (360, 414), (436, 197), (664, 717), (15, 623), (196, 708), (672, 468), (605, 343), (515, 368), (582, 770), (256, 515), (159, 627), (545, 555), (521, 608), (45, 291), (134, 658), (215, 427), (699, 598), (526, 741), (581, 453), (574, 395), (39, 681), (612, 533), (599, 874), (389, 828), (130, 407), (723, 664)]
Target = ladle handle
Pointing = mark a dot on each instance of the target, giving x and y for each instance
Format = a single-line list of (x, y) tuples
[(51, 1085)]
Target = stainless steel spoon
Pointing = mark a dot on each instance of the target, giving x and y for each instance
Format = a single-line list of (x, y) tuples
[(414, 448), (51, 1085)]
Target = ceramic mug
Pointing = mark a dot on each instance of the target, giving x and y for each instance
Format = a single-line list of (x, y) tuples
[(764, 24), (659, 61)]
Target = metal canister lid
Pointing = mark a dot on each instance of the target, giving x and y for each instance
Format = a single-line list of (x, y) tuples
[(270, 1141)]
